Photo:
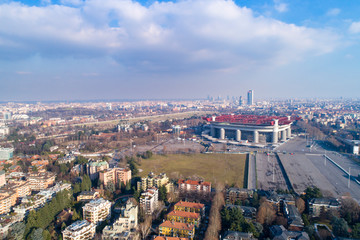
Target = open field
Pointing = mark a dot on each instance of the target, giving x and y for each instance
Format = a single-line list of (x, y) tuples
[(223, 168)]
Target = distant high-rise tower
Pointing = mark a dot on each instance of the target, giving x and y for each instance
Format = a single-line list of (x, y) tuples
[(240, 101), (250, 97)]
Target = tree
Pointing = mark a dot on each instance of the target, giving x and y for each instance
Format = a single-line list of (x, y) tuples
[(350, 210), (37, 234), (17, 231), (266, 213), (144, 227), (214, 226), (128, 187), (340, 227), (300, 204), (163, 193), (312, 192), (46, 235), (356, 231)]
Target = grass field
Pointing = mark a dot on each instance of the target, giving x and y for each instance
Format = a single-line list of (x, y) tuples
[(224, 168)]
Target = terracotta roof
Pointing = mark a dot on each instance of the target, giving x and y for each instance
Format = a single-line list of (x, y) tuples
[(193, 182), (184, 214), (190, 204), (177, 225), (169, 238)]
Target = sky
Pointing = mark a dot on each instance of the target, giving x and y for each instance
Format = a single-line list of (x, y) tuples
[(181, 49)]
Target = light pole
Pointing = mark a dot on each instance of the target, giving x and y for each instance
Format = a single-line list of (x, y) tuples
[(349, 178)]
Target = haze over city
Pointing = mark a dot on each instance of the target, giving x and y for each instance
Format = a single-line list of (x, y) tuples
[(79, 50)]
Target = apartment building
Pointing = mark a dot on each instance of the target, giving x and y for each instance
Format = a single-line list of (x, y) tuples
[(96, 211), (93, 168), (153, 180), (195, 186), (2, 178), (124, 226), (40, 181), (79, 230), (115, 176), (322, 205), (7, 200), (149, 200), (184, 217), (177, 229), (169, 238), (87, 196), (190, 207)]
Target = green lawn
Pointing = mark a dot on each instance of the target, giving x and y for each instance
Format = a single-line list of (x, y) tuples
[(225, 168)]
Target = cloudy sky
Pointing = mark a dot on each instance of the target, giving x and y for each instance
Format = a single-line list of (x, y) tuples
[(121, 49)]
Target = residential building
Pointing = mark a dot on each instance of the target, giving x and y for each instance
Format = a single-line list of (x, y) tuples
[(94, 167), (20, 189), (40, 181), (295, 222), (184, 217), (241, 194), (279, 201), (6, 153), (79, 230), (278, 232), (169, 238), (87, 196), (322, 205), (196, 186), (7, 200), (233, 235), (124, 227), (149, 200), (190, 207), (177, 229), (248, 212), (153, 180), (2, 178), (97, 211), (115, 176)]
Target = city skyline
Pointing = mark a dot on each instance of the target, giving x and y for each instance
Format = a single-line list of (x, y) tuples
[(92, 50)]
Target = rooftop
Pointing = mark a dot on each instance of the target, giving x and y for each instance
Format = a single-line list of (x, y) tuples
[(177, 225), (190, 205)]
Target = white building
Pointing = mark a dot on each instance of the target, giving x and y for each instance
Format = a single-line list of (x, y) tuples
[(79, 230), (123, 226), (149, 200), (96, 211), (6, 153)]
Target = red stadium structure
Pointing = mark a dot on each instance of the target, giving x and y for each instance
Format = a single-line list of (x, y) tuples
[(251, 119), (257, 129)]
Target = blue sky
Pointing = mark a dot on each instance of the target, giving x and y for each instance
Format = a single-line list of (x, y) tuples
[(121, 49)]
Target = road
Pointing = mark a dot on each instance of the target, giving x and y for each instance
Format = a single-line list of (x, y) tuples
[(252, 172)]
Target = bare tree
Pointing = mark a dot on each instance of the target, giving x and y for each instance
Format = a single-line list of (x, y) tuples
[(300, 204), (144, 227), (212, 232), (266, 214)]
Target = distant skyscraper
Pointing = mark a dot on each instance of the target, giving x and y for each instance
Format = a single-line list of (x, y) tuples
[(250, 97), (240, 101)]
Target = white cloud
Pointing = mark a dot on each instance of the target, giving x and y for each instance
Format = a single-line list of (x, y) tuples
[(333, 12), (354, 27), (280, 6), (184, 35)]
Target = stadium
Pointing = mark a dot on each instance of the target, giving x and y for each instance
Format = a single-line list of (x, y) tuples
[(253, 129)]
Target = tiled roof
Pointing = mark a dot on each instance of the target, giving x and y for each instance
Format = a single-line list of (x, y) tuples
[(184, 214), (193, 182), (177, 225), (169, 238), (190, 205)]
